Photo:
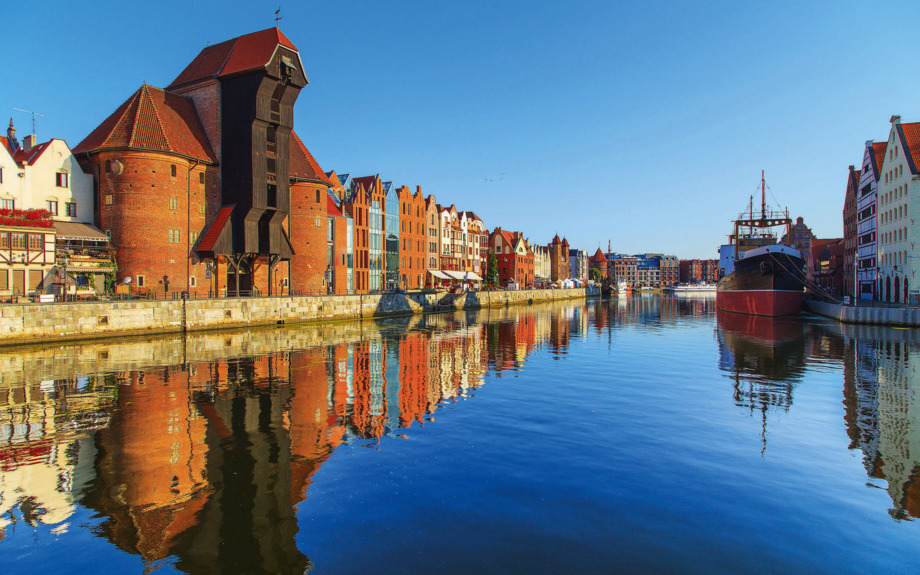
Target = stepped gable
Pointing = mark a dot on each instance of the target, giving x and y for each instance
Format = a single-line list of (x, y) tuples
[(155, 120), (910, 134), (303, 166), (238, 55), (366, 182)]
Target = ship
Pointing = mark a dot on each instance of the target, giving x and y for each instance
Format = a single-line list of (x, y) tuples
[(758, 275), (693, 288)]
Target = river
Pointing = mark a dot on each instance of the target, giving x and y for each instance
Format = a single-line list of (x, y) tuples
[(648, 434)]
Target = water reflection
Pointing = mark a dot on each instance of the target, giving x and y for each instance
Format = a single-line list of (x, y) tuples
[(198, 451), (882, 409)]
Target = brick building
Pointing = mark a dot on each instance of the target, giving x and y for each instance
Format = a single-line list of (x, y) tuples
[(515, 258), (558, 259), (413, 237), (195, 183), (849, 231), (599, 262)]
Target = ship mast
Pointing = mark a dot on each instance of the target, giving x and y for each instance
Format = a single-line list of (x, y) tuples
[(763, 197)]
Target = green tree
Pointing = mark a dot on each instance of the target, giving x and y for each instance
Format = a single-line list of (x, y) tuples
[(492, 270), (595, 274)]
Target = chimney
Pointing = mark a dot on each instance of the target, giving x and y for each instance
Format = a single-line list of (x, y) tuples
[(852, 167), (29, 142), (418, 189), (896, 119)]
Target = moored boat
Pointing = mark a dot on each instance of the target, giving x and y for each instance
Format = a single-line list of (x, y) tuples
[(757, 274), (693, 288)]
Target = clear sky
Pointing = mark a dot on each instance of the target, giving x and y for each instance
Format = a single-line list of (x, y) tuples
[(645, 123)]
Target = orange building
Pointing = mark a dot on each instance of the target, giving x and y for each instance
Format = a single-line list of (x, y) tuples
[(412, 238), (515, 258)]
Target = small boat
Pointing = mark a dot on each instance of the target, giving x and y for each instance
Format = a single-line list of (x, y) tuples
[(693, 288), (623, 288), (757, 274)]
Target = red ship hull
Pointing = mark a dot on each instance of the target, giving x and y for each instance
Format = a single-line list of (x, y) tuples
[(760, 302)]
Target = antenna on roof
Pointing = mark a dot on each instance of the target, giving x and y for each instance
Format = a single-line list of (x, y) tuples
[(33, 117), (277, 16)]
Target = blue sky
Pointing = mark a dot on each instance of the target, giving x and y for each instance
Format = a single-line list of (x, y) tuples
[(645, 123)]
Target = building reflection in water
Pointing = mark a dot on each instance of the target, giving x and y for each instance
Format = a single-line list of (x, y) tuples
[(202, 456), (882, 409), (203, 461)]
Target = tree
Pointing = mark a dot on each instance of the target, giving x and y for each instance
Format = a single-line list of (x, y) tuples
[(595, 274), (492, 270)]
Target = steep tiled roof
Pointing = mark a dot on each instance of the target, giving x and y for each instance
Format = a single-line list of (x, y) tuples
[(303, 165), (152, 119), (565, 242), (911, 134), (22, 157), (599, 256), (209, 238), (555, 239), (878, 149), (248, 52)]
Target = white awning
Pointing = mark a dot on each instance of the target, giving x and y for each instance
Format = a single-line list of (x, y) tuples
[(463, 276), (439, 274)]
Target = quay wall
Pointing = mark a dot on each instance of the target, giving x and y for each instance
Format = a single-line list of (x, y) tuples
[(28, 323), (865, 315)]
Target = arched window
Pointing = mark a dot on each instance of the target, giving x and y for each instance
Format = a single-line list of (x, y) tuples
[(887, 289), (108, 166), (897, 289)]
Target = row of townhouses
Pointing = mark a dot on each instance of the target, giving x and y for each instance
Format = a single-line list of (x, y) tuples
[(204, 187), (653, 270)]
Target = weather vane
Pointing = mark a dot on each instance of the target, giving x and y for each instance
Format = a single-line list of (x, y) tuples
[(277, 16)]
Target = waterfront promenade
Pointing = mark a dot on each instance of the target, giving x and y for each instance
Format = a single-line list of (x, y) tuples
[(865, 313), (28, 323)]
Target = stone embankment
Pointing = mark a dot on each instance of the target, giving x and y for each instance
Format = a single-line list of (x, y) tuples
[(897, 316), (28, 323)]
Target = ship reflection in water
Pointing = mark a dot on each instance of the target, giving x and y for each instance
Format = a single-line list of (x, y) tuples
[(197, 453)]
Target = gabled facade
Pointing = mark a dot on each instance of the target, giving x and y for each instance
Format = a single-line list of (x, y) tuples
[(866, 223), (413, 238), (898, 209), (433, 236), (515, 258), (849, 231)]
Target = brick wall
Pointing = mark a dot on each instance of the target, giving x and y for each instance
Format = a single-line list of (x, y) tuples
[(308, 222)]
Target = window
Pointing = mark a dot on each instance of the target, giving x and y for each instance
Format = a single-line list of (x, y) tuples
[(172, 170), (5, 240), (201, 177), (192, 282), (17, 241), (173, 204), (140, 281), (1, 175), (192, 237), (317, 196), (37, 242), (108, 166), (52, 206), (108, 199), (175, 236), (71, 209), (61, 179), (8, 204), (201, 209)]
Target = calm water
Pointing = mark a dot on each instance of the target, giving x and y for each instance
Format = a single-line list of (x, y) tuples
[(647, 435)]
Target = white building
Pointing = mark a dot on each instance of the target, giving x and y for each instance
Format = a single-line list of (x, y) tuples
[(898, 209), (866, 205)]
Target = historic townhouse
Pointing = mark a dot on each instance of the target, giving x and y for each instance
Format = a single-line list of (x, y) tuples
[(474, 231), (62, 250), (356, 205), (802, 238), (372, 188), (849, 232), (433, 238), (866, 206), (200, 184), (541, 264), (413, 238), (898, 209), (515, 258), (578, 264), (451, 242)]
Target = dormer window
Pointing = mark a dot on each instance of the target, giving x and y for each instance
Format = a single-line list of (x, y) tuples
[(61, 179)]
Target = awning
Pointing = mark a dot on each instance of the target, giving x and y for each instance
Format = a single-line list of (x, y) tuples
[(439, 274), (77, 231), (99, 270), (464, 276)]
